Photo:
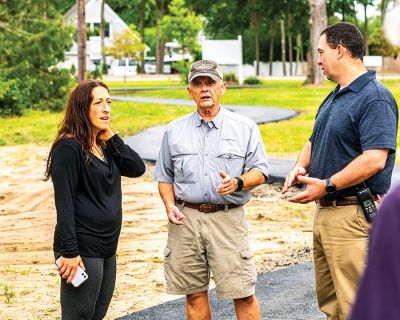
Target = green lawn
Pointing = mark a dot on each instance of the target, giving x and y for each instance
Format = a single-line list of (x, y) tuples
[(127, 118), (282, 139), (286, 138)]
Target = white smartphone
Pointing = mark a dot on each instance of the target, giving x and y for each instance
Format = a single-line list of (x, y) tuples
[(79, 277)]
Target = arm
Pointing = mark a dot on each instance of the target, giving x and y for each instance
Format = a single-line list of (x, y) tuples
[(360, 169), (300, 168), (166, 191), (65, 171), (129, 162), (255, 171), (164, 174), (251, 179)]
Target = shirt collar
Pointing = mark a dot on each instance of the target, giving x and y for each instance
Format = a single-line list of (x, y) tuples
[(216, 121), (358, 84)]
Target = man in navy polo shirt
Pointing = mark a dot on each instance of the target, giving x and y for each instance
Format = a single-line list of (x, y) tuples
[(352, 145)]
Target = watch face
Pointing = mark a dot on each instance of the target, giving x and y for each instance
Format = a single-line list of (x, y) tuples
[(330, 187)]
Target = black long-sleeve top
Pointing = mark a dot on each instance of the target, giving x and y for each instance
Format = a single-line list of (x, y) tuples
[(88, 197)]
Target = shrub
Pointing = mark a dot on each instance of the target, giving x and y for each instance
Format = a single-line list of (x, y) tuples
[(252, 80), (230, 77), (182, 67)]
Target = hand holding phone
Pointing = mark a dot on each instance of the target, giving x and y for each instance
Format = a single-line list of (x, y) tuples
[(80, 275)]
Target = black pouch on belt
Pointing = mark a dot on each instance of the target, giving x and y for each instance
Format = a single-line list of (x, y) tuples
[(367, 203)]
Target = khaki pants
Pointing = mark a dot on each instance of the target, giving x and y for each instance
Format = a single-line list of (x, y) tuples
[(340, 247)]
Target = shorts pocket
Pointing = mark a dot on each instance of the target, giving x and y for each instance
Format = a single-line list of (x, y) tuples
[(167, 252), (249, 275), (167, 267)]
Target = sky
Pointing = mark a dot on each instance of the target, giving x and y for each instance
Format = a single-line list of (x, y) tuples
[(371, 10)]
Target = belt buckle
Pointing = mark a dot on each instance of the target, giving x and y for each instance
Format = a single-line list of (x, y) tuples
[(206, 208)]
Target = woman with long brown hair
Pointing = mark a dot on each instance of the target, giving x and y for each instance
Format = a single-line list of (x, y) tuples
[(85, 163)]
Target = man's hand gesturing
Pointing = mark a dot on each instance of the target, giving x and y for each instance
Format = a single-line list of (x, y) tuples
[(228, 184), (291, 178)]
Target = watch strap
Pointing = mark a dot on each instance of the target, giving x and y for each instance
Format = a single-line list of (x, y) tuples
[(240, 184)]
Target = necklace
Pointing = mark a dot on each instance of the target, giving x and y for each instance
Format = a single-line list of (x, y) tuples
[(99, 152)]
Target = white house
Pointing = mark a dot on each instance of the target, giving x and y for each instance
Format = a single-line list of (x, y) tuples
[(113, 23)]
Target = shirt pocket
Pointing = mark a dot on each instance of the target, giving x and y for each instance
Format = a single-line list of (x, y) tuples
[(185, 167), (231, 157)]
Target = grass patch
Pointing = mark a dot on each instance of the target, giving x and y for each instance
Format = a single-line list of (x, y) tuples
[(8, 291), (282, 139), (127, 117)]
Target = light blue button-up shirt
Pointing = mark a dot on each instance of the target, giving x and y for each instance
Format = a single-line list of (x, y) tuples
[(194, 151)]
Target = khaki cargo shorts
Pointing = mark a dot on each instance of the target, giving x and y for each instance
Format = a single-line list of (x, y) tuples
[(216, 242)]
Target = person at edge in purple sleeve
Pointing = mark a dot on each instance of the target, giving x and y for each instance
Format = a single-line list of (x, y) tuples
[(352, 147), (379, 290), (85, 163)]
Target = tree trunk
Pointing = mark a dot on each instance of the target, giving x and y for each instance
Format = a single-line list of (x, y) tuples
[(343, 12), (366, 30), (290, 44), (298, 45), (81, 41), (290, 38), (255, 24), (102, 35), (141, 24), (383, 11), (301, 48), (160, 42), (44, 10), (283, 47), (271, 46), (318, 22)]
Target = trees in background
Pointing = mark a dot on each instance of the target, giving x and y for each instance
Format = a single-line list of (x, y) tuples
[(184, 26), (127, 44), (33, 39), (318, 22), (81, 40)]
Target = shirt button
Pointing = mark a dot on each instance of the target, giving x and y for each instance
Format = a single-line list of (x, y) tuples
[(206, 194), (206, 174), (206, 154)]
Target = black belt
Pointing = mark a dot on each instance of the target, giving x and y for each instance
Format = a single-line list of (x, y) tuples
[(207, 207), (323, 202)]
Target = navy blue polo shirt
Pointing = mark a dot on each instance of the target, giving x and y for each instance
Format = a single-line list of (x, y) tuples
[(362, 116)]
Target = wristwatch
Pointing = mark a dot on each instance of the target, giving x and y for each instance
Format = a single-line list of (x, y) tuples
[(330, 187), (240, 184)]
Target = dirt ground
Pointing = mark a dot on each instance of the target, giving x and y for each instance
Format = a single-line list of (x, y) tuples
[(29, 284)]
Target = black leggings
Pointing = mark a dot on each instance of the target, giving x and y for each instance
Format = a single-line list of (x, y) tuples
[(91, 299)]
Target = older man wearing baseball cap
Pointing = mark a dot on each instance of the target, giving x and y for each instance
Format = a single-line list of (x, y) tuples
[(209, 161)]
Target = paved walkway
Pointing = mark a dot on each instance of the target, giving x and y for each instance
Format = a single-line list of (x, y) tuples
[(147, 143), (286, 294)]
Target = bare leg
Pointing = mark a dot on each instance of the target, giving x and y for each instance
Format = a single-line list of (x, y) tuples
[(197, 306), (247, 308)]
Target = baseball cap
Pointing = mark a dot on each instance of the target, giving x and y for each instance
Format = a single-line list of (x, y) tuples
[(205, 68)]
